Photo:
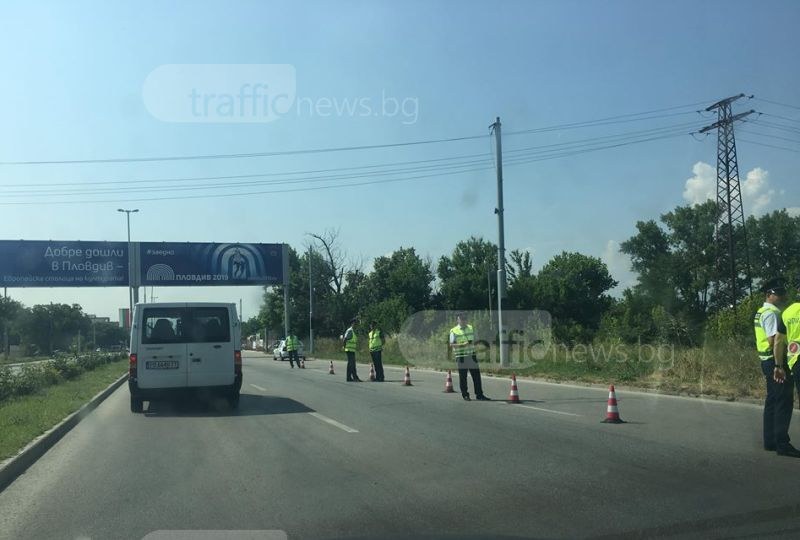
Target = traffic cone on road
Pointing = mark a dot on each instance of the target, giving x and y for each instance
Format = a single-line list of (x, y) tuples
[(330, 371), (448, 383), (513, 396), (371, 372), (612, 413), (407, 378)]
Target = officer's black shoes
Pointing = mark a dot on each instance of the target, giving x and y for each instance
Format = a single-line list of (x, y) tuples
[(483, 398), (770, 448), (466, 397), (788, 451)]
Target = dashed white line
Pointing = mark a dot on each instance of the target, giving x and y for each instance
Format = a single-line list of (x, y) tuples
[(333, 422), (547, 410), (258, 387)]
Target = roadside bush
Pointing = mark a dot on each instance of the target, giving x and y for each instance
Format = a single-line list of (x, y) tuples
[(6, 383)]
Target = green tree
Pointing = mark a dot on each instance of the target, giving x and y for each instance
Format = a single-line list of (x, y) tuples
[(574, 289), (108, 334), (774, 243), (467, 276), (11, 313), (54, 326)]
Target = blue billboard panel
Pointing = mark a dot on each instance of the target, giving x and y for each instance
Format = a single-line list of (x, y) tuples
[(194, 263), (46, 263)]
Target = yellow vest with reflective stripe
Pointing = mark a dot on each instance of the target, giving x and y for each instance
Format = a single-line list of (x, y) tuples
[(351, 345), (762, 340), (465, 336), (375, 343), (291, 343), (791, 318)]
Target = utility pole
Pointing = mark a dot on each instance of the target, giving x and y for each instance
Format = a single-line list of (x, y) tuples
[(310, 304), (501, 246), (133, 292), (241, 313), (5, 323), (729, 229)]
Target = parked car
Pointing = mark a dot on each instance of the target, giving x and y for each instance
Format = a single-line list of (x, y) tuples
[(279, 351), (180, 346)]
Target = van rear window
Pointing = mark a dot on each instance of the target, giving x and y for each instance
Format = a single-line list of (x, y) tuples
[(163, 325), (210, 324), (185, 325)]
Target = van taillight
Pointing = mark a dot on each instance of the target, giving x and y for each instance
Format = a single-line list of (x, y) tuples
[(237, 362), (132, 367)]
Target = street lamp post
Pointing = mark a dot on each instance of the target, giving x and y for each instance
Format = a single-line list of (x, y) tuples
[(131, 293)]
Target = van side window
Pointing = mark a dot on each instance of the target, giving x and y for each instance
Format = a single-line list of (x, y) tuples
[(210, 325), (163, 325)]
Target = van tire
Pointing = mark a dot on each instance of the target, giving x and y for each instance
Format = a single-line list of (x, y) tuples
[(137, 404), (233, 399)]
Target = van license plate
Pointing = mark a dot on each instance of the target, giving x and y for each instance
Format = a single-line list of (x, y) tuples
[(162, 364)]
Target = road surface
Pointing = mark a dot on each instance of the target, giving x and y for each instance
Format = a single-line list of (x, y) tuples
[(318, 458)]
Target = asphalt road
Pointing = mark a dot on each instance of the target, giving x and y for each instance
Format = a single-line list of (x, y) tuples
[(316, 457)]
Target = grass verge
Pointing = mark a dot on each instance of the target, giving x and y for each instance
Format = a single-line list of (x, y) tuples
[(723, 369), (24, 418)]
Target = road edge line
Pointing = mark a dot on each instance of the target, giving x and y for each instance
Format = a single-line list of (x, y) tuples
[(13, 467)]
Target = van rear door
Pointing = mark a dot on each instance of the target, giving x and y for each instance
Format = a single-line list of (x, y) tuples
[(161, 354), (211, 347)]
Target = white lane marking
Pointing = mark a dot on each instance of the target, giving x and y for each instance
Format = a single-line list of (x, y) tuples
[(333, 422), (546, 410), (258, 387)]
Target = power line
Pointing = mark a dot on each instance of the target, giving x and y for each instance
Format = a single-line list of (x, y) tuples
[(542, 151), (770, 136), (591, 123), (773, 125), (375, 170), (778, 103), (780, 117), (770, 146), (512, 162)]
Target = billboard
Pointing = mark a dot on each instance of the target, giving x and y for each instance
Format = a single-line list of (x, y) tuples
[(47, 263), (170, 264)]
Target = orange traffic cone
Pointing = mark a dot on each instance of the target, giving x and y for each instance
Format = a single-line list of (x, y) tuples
[(612, 413), (448, 383), (513, 396), (407, 378), (371, 372), (330, 371)]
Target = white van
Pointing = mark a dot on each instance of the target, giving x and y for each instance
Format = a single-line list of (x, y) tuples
[(180, 346)]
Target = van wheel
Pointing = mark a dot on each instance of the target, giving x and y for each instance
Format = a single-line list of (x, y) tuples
[(137, 405), (233, 400)]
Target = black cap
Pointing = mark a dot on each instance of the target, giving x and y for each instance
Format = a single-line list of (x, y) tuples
[(774, 286)]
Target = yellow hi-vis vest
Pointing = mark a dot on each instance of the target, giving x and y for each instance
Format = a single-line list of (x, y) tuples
[(375, 343), (466, 338), (791, 318), (762, 341), (351, 345), (291, 343)]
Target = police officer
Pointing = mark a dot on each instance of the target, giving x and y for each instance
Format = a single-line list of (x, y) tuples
[(350, 341), (787, 368), (376, 341), (292, 344), (778, 403), (462, 342)]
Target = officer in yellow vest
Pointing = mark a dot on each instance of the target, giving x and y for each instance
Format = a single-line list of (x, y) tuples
[(350, 341), (780, 394), (376, 341), (462, 342), (292, 344)]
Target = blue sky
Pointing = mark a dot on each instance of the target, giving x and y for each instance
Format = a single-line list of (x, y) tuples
[(73, 89)]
